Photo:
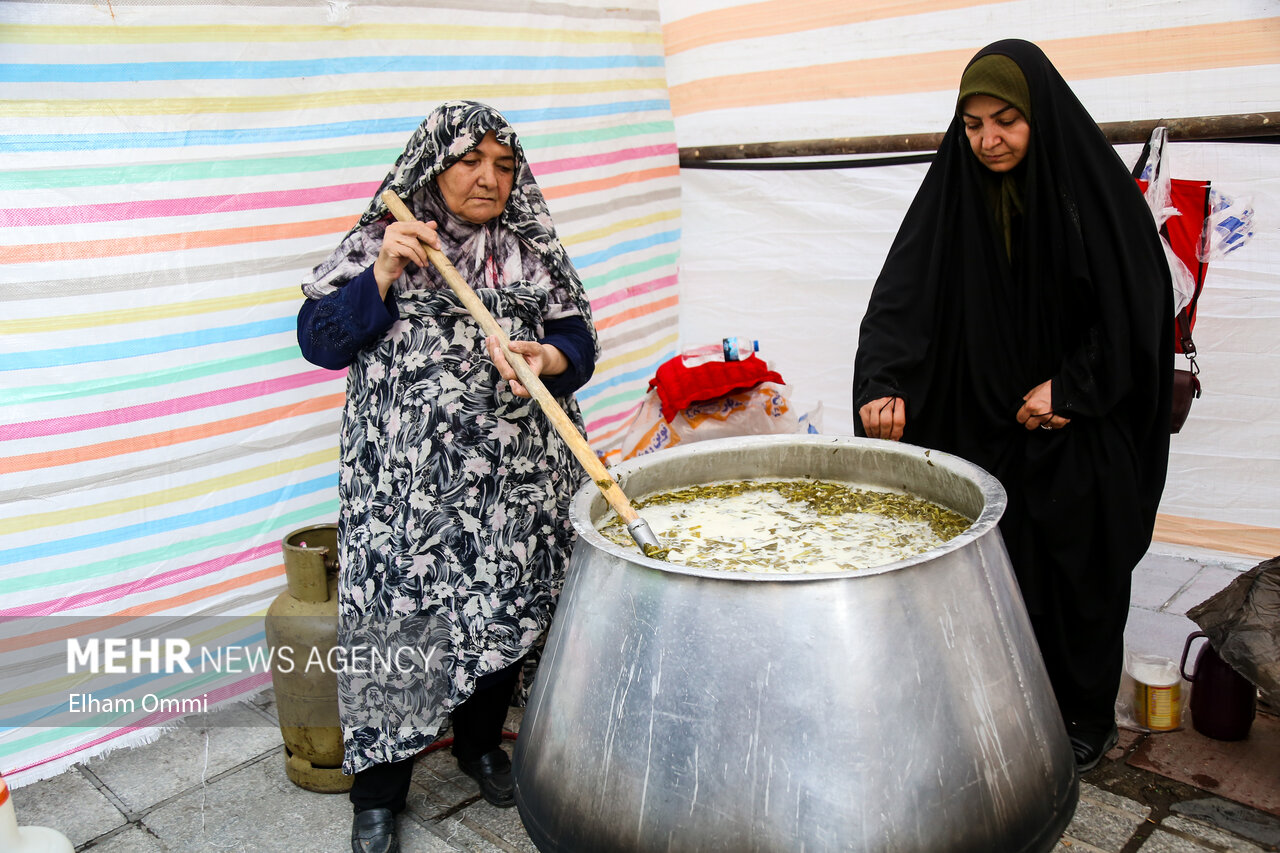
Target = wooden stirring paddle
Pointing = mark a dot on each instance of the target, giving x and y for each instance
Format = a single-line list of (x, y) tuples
[(636, 526)]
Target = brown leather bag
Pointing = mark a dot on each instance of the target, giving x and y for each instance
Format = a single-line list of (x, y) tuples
[(1186, 387), (1186, 382)]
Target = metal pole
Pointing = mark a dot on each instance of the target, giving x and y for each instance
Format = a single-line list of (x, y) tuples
[(1180, 129)]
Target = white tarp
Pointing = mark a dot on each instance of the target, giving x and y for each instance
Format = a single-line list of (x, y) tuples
[(789, 257)]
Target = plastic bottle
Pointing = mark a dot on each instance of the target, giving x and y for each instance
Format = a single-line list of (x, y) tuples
[(729, 349), (26, 839)]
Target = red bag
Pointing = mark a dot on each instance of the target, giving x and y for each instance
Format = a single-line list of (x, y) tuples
[(1191, 199)]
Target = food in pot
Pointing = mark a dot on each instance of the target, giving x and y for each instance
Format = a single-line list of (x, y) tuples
[(796, 525)]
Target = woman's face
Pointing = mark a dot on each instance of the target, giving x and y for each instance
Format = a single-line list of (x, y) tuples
[(476, 187), (998, 131)]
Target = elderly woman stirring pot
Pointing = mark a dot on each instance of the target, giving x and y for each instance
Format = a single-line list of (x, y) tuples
[(1023, 320), (453, 533)]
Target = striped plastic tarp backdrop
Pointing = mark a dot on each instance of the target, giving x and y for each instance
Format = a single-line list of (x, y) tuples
[(780, 70), (170, 172), (774, 70)]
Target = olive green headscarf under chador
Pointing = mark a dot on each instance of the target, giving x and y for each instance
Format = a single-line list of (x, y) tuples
[(961, 333), (1000, 77)]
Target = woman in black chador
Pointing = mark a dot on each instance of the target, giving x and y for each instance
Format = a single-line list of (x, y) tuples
[(1023, 321)]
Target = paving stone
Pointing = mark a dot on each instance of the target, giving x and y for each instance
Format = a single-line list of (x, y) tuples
[(504, 824), (1208, 834), (426, 809), (417, 836), (439, 786), (1208, 582), (266, 702), (1158, 578), (459, 836), (1163, 842), (1156, 633), (1232, 817), (1180, 835), (135, 839), (1067, 844), (204, 746), (228, 815), (1113, 801), (69, 803), (1105, 820), (1203, 556)]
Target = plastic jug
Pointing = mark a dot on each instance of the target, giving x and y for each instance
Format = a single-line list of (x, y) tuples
[(27, 839), (1223, 702)]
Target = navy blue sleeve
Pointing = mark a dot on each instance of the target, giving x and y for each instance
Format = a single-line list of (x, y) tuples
[(572, 337), (333, 329)]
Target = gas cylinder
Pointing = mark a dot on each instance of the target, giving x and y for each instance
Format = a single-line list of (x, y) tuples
[(302, 631), (26, 839), (1223, 702)]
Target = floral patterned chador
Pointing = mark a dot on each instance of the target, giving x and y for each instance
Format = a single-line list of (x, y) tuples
[(454, 531)]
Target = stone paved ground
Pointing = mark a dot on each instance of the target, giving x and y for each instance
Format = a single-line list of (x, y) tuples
[(218, 784), (194, 790), (1126, 809)]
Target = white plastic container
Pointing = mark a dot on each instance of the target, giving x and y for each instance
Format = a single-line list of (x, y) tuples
[(26, 839)]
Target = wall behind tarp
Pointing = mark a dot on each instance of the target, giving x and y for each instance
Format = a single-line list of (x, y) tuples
[(170, 171), (790, 256)]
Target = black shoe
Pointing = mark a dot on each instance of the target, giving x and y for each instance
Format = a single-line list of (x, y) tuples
[(1089, 749), (493, 771), (374, 831)]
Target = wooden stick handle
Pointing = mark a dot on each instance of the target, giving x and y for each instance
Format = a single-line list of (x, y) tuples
[(566, 428)]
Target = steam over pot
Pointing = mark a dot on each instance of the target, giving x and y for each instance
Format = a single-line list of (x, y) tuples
[(899, 708)]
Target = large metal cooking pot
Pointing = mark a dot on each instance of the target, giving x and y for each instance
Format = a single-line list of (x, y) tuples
[(899, 708)]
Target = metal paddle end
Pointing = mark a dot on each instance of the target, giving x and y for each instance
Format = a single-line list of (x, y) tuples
[(645, 538)]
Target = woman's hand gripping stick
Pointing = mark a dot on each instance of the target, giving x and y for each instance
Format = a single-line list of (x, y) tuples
[(637, 526)]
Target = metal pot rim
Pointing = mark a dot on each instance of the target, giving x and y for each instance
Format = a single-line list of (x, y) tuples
[(995, 501)]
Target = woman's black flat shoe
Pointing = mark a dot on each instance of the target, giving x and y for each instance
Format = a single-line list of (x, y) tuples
[(1089, 751), (493, 771), (374, 831)]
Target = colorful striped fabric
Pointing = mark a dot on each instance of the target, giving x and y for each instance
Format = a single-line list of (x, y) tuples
[(739, 71), (171, 170)]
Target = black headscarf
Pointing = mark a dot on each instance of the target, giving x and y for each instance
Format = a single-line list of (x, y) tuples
[(962, 328)]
